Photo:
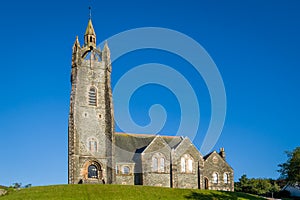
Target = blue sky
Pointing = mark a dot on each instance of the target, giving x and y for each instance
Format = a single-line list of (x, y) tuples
[(255, 45)]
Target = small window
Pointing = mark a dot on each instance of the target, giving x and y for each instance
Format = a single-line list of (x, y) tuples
[(225, 177), (162, 165), (126, 170), (182, 164), (117, 169), (154, 164), (91, 39), (92, 145), (92, 171), (215, 178), (93, 97), (190, 165)]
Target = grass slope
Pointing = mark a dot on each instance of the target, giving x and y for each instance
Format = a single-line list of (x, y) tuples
[(119, 192)]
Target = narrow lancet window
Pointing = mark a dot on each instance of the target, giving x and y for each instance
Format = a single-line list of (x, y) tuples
[(93, 96)]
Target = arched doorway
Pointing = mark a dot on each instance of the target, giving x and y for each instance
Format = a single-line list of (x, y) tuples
[(92, 171), (206, 183)]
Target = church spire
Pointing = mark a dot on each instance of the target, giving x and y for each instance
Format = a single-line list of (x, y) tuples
[(90, 35)]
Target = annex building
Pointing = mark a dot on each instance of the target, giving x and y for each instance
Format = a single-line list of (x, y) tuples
[(99, 155)]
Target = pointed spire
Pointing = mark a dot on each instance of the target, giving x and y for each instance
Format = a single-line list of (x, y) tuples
[(106, 52), (76, 45), (90, 35), (90, 28)]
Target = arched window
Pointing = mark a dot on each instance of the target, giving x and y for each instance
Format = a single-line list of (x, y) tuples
[(158, 162), (225, 177), (93, 96), (162, 165), (215, 178), (91, 39), (92, 171), (154, 164), (125, 170)]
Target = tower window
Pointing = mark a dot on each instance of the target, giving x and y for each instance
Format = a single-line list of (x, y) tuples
[(91, 39), (92, 145), (92, 171), (93, 96)]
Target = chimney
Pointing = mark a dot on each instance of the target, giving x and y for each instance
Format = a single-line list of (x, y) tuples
[(222, 153)]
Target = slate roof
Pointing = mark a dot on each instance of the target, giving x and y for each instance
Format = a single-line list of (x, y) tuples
[(129, 145)]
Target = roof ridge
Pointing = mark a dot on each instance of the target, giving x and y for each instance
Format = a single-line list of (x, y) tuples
[(148, 135)]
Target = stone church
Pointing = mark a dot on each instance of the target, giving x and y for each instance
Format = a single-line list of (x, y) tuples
[(99, 155)]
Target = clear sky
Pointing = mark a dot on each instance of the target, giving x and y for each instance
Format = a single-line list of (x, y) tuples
[(255, 45)]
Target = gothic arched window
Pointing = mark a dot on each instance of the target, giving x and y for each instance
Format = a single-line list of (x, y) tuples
[(92, 171), (93, 96), (215, 178)]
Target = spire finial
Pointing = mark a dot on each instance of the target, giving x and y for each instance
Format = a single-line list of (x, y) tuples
[(90, 9)]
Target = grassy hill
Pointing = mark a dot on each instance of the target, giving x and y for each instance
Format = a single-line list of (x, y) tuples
[(119, 192)]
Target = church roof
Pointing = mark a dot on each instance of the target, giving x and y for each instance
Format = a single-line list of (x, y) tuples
[(128, 145)]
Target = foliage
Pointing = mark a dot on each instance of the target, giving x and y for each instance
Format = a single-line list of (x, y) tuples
[(95, 192), (256, 186), (290, 170), (28, 186), (16, 185)]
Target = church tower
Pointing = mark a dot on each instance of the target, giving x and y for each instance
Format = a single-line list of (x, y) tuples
[(91, 120)]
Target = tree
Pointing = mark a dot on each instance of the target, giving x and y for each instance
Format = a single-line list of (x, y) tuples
[(256, 186), (290, 170), (16, 185)]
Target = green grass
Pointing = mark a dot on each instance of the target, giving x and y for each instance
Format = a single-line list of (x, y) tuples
[(119, 192)]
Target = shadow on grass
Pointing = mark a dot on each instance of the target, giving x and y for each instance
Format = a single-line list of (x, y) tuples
[(220, 196), (196, 196)]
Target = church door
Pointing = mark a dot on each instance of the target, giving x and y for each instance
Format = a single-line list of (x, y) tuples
[(206, 183)]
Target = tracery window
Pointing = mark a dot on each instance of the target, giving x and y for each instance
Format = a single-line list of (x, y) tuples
[(93, 96)]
